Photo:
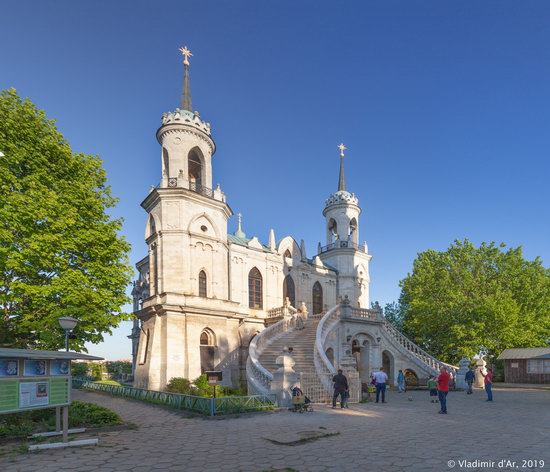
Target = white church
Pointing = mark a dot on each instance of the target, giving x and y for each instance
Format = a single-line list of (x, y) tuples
[(204, 297)]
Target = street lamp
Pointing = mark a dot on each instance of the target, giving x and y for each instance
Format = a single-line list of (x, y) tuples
[(67, 324)]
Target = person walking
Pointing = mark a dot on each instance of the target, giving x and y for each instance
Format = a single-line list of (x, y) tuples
[(469, 378), (340, 388), (443, 389), (488, 380), (400, 381), (381, 379)]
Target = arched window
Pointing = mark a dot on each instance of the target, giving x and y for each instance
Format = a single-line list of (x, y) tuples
[(152, 226), (317, 298), (333, 230), (202, 284), (194, 166), (289, 290), (353, 230), (288, 253), (166, 162), (144, 342), (208, 350), (255, 295)]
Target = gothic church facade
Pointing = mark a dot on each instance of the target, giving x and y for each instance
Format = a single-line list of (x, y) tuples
[(203, 293)]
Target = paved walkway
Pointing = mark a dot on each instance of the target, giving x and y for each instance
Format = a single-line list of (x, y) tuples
[(401, 435)]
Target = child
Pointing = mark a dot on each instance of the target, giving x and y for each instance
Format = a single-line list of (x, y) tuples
[(432, 386)]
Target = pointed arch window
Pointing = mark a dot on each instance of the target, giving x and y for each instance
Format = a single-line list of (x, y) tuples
[(194, 169), (289, 290), (288, 253), (255, 289), (332, 230), (208, 350), (317, 298), (202, 284), (152, 226)]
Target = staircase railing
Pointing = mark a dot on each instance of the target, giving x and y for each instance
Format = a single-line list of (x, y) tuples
[(258, 377), (323, 366), (428, 360)]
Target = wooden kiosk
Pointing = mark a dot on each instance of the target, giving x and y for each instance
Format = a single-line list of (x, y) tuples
[(32, 379)]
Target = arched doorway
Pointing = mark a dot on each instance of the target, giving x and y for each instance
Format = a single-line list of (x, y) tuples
[(330, 354), (387, 364), (289, 290), (208, 350), (317, 298), (411, 378)]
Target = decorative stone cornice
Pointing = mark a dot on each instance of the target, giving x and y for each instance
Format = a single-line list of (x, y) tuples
[(342, 197), (183, 128), (185, 117)]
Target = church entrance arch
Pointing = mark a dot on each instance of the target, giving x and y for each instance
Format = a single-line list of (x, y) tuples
[(361, 351), (388, 365), (411, 378)]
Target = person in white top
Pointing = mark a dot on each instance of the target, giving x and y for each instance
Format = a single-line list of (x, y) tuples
[(381, 379)]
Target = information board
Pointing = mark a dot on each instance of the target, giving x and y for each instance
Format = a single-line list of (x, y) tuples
[(33, 394)]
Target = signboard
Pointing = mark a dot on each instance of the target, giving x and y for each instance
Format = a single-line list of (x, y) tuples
[(59, 367), (514, 365), (33, 394), (213, 376)]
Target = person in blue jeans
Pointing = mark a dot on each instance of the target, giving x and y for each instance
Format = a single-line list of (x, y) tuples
[(443, 389), (488, 379), (381, 379)]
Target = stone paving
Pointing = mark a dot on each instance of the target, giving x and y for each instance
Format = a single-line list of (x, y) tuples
[(401, 435)]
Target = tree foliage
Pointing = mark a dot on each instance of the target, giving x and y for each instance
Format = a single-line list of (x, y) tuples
[(60, 251), (466, 298)]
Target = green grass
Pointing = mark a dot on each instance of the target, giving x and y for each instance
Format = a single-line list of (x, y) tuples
[(109, 382), (81, 414)]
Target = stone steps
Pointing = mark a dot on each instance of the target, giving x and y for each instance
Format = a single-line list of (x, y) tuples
[(301, 341)]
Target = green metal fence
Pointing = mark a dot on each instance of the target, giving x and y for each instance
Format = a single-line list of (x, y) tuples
[(202, 405)]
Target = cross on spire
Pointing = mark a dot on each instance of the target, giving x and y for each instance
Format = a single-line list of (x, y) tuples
[(186, 92), (186, 53), (341, 177), (342, 149)]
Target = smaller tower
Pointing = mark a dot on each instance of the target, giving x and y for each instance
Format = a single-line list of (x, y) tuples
[(342, 250)]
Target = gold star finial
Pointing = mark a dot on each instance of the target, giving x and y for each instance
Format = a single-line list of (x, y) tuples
[(186, 53), (342, 149)]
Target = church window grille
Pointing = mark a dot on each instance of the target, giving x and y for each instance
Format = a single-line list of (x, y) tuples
[(202, 284), (317, 298), (255, 295), (289, 290)]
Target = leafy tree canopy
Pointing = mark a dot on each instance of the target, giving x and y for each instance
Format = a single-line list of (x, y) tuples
[(466, 298), (60, 252)]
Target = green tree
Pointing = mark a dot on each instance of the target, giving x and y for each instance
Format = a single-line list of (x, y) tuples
[(60, 251), (393, 313), (460, 300)]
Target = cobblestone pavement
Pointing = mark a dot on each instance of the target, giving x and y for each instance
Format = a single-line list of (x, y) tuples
[(400, 435)]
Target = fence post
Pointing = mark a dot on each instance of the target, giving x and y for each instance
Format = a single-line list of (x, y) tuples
[(212, 407)]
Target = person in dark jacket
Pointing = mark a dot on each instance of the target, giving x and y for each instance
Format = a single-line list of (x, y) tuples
[(340, 388), (469, 378)]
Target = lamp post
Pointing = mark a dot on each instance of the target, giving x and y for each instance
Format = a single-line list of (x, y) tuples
[(67, 324)]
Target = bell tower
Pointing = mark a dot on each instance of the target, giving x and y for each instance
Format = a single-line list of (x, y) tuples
[(342, 250), (186, 143)]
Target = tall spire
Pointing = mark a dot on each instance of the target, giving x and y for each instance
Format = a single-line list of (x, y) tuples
[(186, 92), (342, 178)]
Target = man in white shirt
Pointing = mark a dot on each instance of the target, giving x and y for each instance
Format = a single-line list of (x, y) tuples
[(381, 379)]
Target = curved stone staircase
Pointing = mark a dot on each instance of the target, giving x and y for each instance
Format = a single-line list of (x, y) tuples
[(300, 340)]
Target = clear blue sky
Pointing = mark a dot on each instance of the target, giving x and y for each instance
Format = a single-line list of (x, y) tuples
[(444, 106)]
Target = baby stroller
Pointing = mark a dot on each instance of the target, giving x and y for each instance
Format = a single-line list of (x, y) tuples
[(300, 402)]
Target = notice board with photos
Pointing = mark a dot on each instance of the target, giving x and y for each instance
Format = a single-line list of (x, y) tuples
[(27, 384)]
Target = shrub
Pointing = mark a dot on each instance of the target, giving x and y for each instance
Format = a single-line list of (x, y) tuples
[(90, 414), (181, 385)]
